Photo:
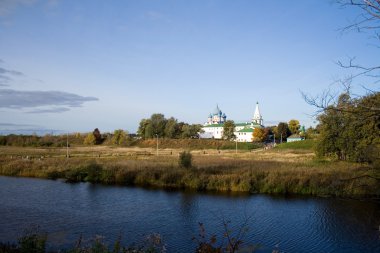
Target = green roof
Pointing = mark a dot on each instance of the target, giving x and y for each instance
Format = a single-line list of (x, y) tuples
[(246, 130), (243, 124), (214, 125)]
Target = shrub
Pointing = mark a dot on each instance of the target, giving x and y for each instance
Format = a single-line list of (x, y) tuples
[(90, 139), (185, 159), (32, 242), (94, 172)]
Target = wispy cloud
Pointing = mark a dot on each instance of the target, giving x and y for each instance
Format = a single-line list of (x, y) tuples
[(51, 110), (5, 78), (40, 101), (2, 125), (5, 75), (14, 128), (11, 72), (7, 6), (15, 99)]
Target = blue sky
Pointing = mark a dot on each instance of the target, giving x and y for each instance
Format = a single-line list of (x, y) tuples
[(77, 65)]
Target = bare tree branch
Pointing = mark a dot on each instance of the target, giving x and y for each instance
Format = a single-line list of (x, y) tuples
[(368, 20)]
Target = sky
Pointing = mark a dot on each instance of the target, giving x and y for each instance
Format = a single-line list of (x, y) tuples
[(72, 66)]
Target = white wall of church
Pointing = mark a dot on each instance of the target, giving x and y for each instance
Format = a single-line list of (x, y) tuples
[(243, 137), (216, 132)]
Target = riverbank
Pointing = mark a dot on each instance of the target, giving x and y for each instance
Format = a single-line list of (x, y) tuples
[(275, 171)]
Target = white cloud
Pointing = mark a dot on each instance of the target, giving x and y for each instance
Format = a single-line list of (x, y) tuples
[(15, 99)]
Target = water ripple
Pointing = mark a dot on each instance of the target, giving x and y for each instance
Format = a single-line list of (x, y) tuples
[(67, 211)]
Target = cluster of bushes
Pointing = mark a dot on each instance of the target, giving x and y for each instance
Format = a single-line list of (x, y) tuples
[(196, 144), (35, 141), (119, 138)]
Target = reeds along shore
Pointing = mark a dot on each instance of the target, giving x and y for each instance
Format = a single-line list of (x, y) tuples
[(280, 171)]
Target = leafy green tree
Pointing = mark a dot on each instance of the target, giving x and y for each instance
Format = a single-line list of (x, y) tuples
[(90, 139), (294, 126), (141, 131), (171, 128), (149, 131), (190, 131), (228, 130), (349, 131), (195, 129), (185, 131), (282, 130), (158, 123), (120, 137)]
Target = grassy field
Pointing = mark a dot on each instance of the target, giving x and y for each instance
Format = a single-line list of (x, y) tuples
[(286, 169), (297, 145)]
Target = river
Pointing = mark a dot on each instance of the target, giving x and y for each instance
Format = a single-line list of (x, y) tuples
[(290, 224)]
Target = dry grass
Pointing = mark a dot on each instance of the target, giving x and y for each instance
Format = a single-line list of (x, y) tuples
[(269, 171)]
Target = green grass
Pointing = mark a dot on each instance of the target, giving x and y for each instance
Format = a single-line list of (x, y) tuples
[(298, 145)]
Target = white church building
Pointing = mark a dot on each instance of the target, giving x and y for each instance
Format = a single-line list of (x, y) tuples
[(213, 128)]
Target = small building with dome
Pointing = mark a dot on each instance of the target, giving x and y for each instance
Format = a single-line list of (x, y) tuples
[(213, 128)]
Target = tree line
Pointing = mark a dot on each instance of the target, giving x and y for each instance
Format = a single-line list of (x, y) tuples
[(159, 126), (279, 132), (155, 126), (118, 137)]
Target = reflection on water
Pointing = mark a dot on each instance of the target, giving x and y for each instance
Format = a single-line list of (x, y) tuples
[(67, 211)]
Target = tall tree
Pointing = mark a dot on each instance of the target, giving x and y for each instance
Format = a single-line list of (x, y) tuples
[(171, 128), (158, 122), (349, 133), (282, 130), (142, 128), (186, 131), (98, 136), (294, 126), (120, 137), (259, 134), (149, 133), (191, 131), (195, 129), (228, 130)]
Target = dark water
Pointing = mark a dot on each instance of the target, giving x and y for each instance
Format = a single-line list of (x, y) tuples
[(67, 211)]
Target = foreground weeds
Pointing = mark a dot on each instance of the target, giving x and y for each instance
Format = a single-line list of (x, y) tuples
[(34, 241)]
